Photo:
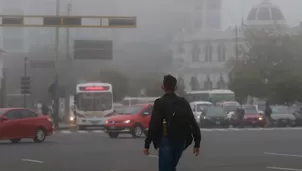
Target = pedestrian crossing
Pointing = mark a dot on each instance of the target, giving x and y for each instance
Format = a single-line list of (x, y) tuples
[(202, 130)]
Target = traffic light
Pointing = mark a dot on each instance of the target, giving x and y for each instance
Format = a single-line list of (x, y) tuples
[(25, 85)]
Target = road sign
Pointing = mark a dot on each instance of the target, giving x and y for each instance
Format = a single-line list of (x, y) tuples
[(25, 85), (93, 49), (42, 64), (67, 21)]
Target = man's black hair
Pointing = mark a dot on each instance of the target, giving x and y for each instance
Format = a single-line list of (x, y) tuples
[(169, 83)]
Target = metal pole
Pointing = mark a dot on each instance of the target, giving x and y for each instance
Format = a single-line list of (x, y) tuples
[(56, 81), (236, 42), (25, 74)]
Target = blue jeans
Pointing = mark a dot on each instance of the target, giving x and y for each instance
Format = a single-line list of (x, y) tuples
[(169, 154)]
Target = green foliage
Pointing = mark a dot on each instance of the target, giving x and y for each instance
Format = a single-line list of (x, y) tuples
[(271, 71), (119, 82)]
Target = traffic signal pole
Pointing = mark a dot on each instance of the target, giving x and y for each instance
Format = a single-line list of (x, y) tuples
[(56, 76), (25, 75)]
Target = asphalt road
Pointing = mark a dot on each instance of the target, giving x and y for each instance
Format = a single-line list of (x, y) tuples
[(222, 150)]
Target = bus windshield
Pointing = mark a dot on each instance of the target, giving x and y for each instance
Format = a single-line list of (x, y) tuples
[(222, 97), (94, 101)]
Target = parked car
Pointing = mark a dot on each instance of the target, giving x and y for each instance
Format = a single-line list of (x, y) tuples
[(198, 107), (282, 116), (132, 120), (214, 116), (20, 123), (229, 106), (298, 114)]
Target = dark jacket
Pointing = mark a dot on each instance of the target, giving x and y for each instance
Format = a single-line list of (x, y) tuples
[(155, 132)]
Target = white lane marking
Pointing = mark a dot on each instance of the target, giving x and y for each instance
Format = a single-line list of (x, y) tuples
[(220, 129), (282, 168), (284, 155), (153, 156), (98, 131), (206, 130), (82, 132), (234, 129), (66, 131), (33, 161)]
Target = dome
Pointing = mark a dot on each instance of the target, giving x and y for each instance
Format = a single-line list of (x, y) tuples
[(265, 14)]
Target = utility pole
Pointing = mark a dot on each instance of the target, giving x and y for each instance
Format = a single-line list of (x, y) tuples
[(56, 77), (236, 42)]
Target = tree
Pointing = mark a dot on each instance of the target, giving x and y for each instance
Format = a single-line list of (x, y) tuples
[(271, 70), (118, 80)]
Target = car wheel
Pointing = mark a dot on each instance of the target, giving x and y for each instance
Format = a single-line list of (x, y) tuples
[(113, 134), (40, 135), (137, 131), (16, 140)]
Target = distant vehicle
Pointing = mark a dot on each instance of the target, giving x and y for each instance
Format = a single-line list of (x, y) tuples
[(229, 106), (133, 120), (198, 107), (214, 116), (20, 123), (282, 116), (298, 114), (213, 96), (251, 117), (129, 101), (93, 101)]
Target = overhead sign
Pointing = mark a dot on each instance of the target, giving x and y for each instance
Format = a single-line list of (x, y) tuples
[(93, 49), (42, 64), (67, 21)]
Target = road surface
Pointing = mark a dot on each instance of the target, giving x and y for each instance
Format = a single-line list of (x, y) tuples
[(222, 150)]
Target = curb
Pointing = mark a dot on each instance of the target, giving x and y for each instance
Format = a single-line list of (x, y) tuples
[(70, 126)]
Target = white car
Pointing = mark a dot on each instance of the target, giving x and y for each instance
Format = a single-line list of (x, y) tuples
[(197, 108)]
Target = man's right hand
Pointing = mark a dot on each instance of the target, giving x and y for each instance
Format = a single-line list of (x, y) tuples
[(196, 151)]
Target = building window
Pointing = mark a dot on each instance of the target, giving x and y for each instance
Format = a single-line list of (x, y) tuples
[(221, 52), (208, 52), (195, 52), (264, 14), (208, 84), (180, 48), (194, 83), (221, 83)]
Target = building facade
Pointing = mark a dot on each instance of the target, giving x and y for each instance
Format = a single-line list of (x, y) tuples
[(202, 58)]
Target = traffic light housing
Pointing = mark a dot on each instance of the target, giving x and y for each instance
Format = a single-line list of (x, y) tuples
[(25, 85)]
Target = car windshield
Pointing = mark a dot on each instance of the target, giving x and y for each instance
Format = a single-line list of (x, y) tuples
[(250, 110), (230, 108), (201, 107), (215, 111), (131, 110), (280, 110), (2, 111)]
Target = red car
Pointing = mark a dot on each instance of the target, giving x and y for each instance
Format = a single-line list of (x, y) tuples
[(132, 120), (252, 117), (18, 123)]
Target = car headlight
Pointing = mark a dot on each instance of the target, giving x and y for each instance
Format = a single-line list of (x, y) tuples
[(71, 118), (107, 122), (260, 118), (127, 121)]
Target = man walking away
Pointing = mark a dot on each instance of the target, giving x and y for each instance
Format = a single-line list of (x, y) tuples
[(171, 127), (267, 113)]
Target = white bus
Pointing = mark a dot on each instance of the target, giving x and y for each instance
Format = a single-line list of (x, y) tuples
[(213, 96), (92, 102), (129, 101)]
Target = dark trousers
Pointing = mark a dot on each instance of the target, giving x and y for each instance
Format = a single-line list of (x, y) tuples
[(170, 152)]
